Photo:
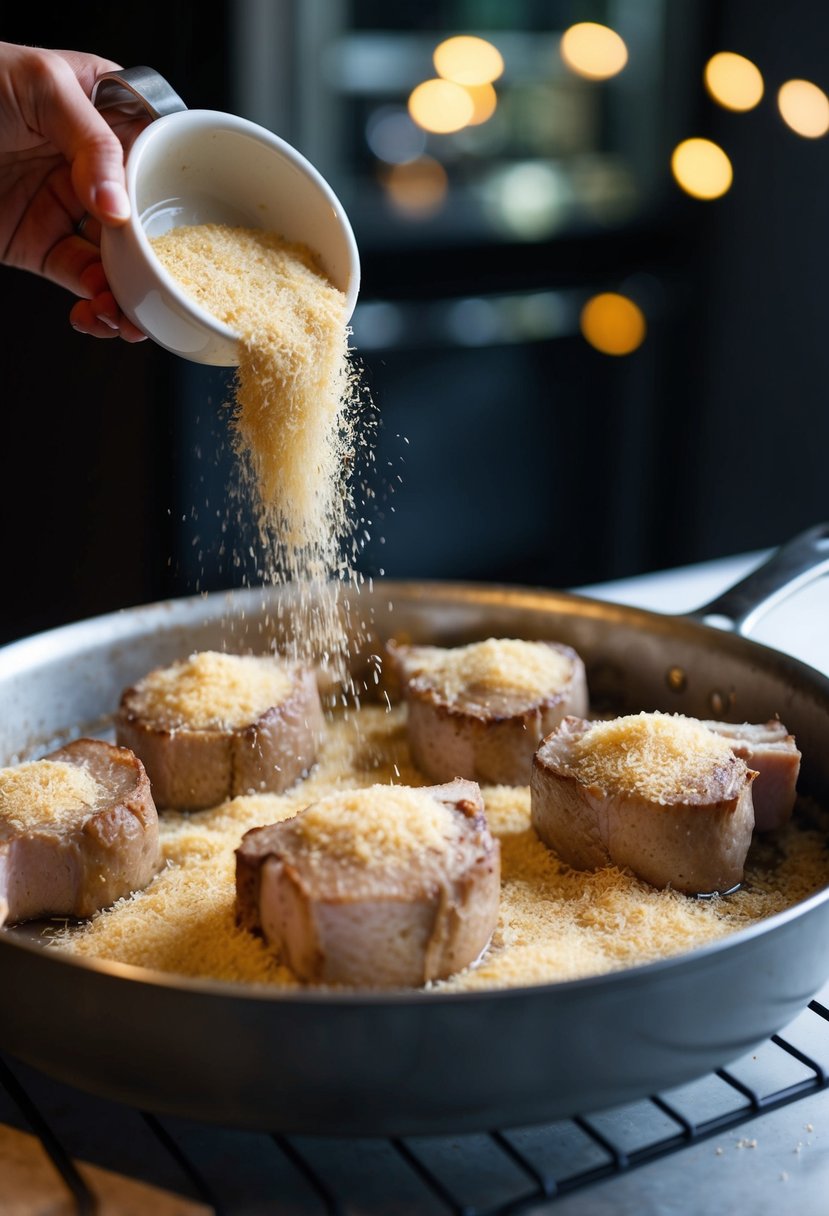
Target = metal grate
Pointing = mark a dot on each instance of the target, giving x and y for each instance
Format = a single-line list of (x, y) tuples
[(85, 1142)]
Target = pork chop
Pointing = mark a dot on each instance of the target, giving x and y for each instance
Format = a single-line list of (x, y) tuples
[(378, 887), (78, 831), (213, 726), (656, 793), (480, 711)]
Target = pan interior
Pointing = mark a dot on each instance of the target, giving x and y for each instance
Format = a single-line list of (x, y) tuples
[(635, 660)]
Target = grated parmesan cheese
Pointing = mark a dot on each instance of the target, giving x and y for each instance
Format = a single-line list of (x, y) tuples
[(293, 367), (45, 791), (662, 757), (376, 825), (505, 666), (211, 689), (554, 923)]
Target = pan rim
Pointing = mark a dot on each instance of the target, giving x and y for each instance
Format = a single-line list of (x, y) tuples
[(116, 624)]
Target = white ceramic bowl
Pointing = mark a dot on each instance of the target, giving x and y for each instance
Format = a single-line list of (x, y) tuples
[(205, 166)]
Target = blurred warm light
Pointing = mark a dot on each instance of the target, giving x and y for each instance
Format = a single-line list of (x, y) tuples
[(613, 324), (468, 60), (484, 102), (701, 168), (593, 50), (733, 81), (804, 107), (418, 188), (441, 106), (393, 137)]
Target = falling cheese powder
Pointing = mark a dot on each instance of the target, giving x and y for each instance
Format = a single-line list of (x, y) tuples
[(293, 367), (554, 923), (297, 402)]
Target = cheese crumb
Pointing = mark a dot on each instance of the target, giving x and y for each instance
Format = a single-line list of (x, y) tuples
[(665, 758), (376, 825), (45, 791), (506, 666), (211, 689)]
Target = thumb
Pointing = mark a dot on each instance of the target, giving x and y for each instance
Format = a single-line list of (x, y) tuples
[(98, 178), (69, 120)]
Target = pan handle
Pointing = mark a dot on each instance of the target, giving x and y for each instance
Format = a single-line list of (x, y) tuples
[(795, 564)]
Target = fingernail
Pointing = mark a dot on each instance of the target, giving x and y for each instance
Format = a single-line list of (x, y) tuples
[(107, 321), (112, 200)]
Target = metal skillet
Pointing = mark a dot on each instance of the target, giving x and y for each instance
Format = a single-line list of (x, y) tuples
[(413, 1062)]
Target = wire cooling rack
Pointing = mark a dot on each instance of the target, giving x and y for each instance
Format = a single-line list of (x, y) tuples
[(82, 1149)]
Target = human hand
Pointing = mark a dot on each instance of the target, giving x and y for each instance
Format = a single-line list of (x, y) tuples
[(62, 160)]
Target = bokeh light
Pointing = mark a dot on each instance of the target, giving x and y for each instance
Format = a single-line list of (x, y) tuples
[(441, 106), (418, 188), (701, 168), (484, 102), (468, 60), (613, 323), (804, 107), (593, 50), (528, 199), (393, 137), (733, 81)]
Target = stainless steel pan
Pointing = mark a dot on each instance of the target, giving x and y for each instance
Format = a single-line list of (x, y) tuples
[(410, 1062)]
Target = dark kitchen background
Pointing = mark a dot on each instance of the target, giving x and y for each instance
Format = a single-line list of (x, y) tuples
[(512, 447)]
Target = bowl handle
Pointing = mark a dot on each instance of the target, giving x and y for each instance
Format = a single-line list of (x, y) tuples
[(795, 564), (135, 90)]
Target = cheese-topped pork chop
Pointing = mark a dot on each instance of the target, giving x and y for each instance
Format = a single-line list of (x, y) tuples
[(213, 726), (656, 793), (377, 887), (78, 831), (479, 711)]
